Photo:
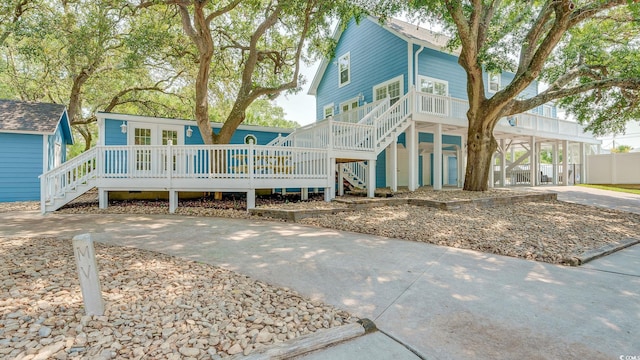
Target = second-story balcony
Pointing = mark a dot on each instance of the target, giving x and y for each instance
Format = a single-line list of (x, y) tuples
[(452, 111)]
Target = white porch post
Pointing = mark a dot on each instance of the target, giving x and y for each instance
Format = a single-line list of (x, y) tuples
[(503, 160), (555, 163), (251, 199), (583, 164), (437, 158), (532, 161), (460, 157), (565, 162), (371, 177), (173, 201), (412, 146), (329, 191), (304, 194), (492, 179), (340, 179), (463, 150), (103, 198), (393, 156)]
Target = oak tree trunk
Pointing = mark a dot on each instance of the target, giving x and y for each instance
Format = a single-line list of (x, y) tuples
[(481, 145)]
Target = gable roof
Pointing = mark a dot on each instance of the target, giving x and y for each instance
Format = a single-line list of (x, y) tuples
[(30, 117), (404, 30), (418, 35)]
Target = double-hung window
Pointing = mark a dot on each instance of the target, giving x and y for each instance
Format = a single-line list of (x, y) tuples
[(344, 69), (328, 111)]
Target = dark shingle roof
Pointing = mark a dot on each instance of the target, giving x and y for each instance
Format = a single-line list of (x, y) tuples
[(29, 116)]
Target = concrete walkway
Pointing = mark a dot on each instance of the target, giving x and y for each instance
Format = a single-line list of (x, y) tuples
[(442, 303), (428, 301)]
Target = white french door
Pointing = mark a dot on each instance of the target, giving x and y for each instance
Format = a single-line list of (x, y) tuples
[(154, 160), (347, 107)]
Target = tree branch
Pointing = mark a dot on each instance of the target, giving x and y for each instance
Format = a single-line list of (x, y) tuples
[(520, 106)]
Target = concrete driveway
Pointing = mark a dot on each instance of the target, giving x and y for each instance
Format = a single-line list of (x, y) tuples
[(441, 303)]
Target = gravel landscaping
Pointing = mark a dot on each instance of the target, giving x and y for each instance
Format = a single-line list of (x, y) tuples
[(156, 307)]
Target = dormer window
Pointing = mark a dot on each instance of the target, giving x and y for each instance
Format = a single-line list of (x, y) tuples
[(344, 69), (494, 82)]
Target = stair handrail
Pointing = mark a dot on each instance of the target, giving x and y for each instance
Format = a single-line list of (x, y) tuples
[(404, 105), (356, 170), (378, 110), (68, 174)]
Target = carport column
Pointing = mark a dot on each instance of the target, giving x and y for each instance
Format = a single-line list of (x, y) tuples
[(173, 201), (340, 179), (437, 158), (103, 199), (565, 162), (554, 150), (393, 155), (532, 161), (371, 179), (412, 146), (503, 160)]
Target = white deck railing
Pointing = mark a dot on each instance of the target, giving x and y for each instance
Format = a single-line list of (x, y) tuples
[(187, 167), (357, 114), (449, 107), (332, 135)]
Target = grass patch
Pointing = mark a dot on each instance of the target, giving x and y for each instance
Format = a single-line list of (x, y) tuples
[(630, 188)]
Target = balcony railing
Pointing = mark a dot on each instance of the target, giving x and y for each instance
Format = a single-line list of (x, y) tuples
[(449, 107)]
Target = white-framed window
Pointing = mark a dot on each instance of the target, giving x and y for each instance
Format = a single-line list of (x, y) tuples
[(250, 139), (392, 88), (433, 86), (328, 111), (344, 69), (494, 82), (547, 111)]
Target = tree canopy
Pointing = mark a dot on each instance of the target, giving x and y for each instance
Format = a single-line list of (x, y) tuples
[(114, 55)]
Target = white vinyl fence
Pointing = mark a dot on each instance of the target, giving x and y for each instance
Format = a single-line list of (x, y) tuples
[(613, 168)]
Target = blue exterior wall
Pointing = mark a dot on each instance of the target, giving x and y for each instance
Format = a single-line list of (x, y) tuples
[(59, 137), (21, 163), (439, 65), (376, 56), (114, 136)]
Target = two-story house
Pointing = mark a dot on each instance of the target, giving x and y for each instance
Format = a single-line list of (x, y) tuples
[(398, 60)]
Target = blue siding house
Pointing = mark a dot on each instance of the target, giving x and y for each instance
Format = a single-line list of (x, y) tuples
[(391, 108), (378, 61), (33, 140)]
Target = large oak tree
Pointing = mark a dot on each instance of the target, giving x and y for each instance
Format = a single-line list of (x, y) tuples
[(246, 50), (586, 51)]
